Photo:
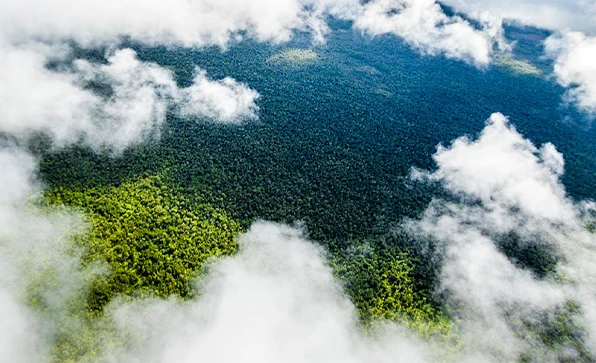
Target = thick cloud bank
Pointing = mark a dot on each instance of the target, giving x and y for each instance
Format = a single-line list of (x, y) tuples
[(209, 22), (180, 22)]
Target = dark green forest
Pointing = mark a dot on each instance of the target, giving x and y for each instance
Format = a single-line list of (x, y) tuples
[(336, 138)]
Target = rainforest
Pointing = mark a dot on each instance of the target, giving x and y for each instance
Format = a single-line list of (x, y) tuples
[(321, 190)]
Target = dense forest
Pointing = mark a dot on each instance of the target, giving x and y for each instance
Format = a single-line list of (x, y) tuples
[(340, 127)]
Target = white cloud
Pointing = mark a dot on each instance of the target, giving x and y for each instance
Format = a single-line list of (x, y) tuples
[(575, 67), (225, 100), (491, 296), (573, 47), (182, 22), (502, 169), (506, 185), (18, 333), (423, 25), (60, 104), (41, 278)]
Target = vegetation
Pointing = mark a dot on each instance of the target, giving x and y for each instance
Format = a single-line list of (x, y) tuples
[(518, 67), (293, 56), (382, 287), (153, 240), (333, 148)]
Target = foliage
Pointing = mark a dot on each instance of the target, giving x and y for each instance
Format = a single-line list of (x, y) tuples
[(333, 148), (153, 240), (381, 286), (294, 57), (335, 141), (561, 332)]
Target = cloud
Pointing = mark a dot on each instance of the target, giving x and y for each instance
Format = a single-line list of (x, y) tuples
[(492, 297), (423, 25), (501, 169), (507, 187), (62, 105), (17, 342), (578, 15), (276, 300), (181, 22), (575, 67), (225, 100), (18, 337)]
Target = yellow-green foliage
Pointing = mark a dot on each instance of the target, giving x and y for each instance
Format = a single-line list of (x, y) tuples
[(517, 66), (152, 239), (382, 287), (294, 56)]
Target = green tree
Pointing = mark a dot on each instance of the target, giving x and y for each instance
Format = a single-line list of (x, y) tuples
[(153, 240)]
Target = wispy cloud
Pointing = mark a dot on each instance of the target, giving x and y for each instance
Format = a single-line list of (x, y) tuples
[(424, 25), (62, 104), (42, 282)]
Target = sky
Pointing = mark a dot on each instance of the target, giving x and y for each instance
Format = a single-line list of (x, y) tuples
[(560, 15), (292, 308)]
